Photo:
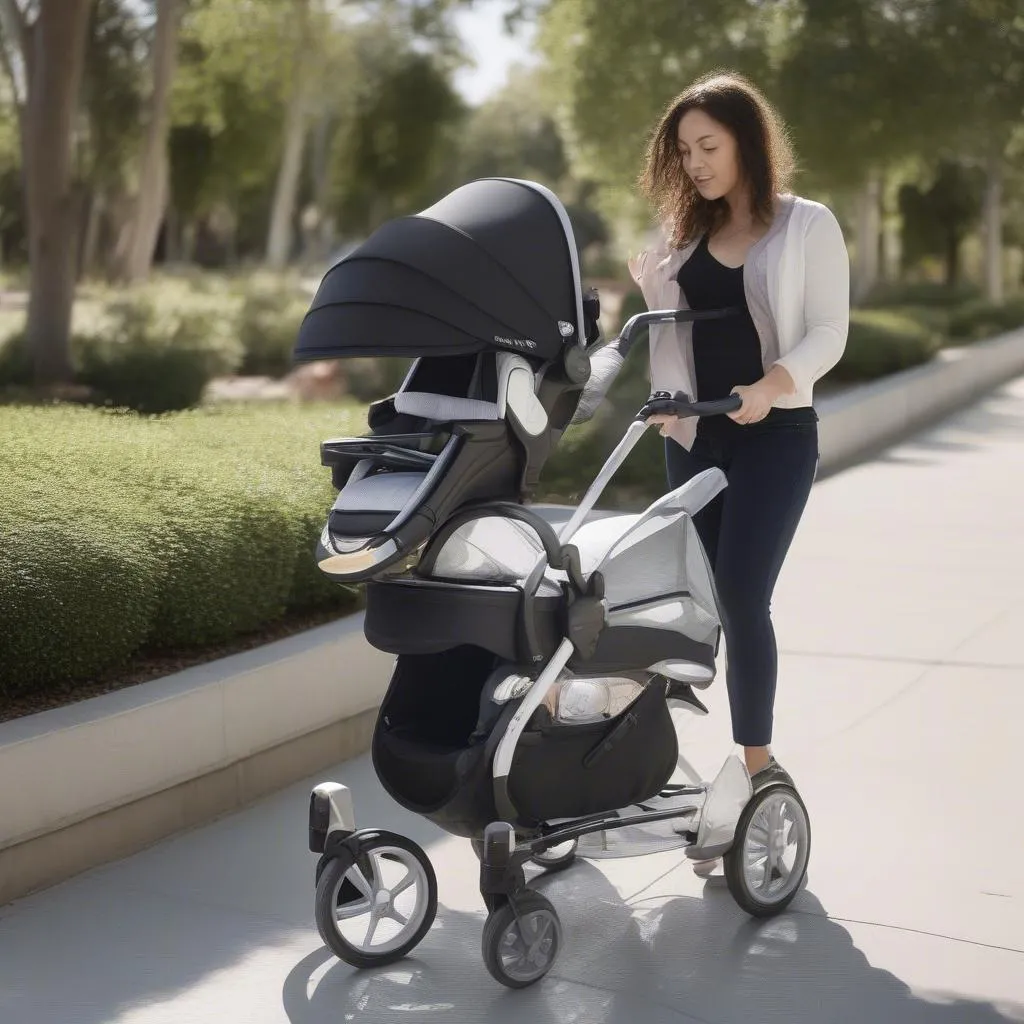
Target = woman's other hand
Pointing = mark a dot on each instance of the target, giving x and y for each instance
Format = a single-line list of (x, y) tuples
[(637, 264), (663, 421)]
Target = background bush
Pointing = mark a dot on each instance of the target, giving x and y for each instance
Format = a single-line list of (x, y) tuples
[(269, 322), (121, 533), (156, 356), (881, 342), (369, 379), (978, 320)]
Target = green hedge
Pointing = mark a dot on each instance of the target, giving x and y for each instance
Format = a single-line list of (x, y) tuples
[(881, 342), (978, 320), (122, 533)]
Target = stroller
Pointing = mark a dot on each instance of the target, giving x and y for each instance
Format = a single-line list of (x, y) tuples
[(538, 649)]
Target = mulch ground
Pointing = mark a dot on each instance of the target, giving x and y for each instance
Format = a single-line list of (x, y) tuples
[(147, 666)]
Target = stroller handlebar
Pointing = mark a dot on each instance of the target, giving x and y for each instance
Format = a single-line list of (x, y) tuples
[(667, 316), (665, 404)]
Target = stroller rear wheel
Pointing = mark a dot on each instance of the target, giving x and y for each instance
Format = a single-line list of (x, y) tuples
[(521, 939), (768, 859), (374, 907)]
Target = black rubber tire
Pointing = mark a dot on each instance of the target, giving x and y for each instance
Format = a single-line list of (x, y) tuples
[(733, 860), (528, 901), (478, 848), (558, 863), (326, 904)]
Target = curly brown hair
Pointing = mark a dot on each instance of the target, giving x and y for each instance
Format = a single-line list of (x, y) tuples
[(766, 158)]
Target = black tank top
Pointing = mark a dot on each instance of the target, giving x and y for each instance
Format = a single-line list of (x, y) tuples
[(726, 352)]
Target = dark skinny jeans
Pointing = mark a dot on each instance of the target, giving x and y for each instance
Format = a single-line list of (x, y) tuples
[(746, 532)]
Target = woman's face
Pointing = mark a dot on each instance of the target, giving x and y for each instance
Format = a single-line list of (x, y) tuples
[(710, 155)]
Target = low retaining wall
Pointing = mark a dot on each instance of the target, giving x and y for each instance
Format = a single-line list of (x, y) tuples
[(874, 416), (101, 779)]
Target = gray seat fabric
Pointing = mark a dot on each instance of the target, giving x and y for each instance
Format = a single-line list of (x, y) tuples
[(442, 408), (381, 492)]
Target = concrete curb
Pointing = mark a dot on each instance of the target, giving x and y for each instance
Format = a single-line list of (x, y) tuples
[(108, 776), (863, 420), (105, 778)]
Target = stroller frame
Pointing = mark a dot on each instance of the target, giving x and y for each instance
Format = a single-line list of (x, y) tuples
[(751, 830)]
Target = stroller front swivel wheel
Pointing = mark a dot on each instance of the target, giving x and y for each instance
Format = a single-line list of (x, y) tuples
[(767, 862), (375, 905), (521, 941)]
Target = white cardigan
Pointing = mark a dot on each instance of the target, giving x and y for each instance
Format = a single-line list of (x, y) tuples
[(808, 285)]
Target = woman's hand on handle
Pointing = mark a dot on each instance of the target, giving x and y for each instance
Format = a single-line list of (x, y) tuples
[(757, 403), (759, 398)]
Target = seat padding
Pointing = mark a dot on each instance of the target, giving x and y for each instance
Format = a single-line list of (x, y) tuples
[(381, 492), (443, 408)]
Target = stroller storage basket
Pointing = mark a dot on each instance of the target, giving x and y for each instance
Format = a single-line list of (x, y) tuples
[(439, 726)]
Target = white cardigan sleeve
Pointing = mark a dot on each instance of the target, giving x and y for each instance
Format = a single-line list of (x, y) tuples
[(826, 312)]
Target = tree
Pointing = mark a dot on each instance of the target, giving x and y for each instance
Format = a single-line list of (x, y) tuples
[(612, 68), (296, 126), (936, 219), (138, 241), (979, 44), (228, 120), (848, 86), (392, 157), (112, 109), (513, 134), (44, 49)]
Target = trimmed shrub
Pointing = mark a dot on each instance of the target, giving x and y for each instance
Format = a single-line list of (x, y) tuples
[(154, 358), (268, 325), (122, 533), (881, 342), (230, 572), (75, 601), (978, 320)]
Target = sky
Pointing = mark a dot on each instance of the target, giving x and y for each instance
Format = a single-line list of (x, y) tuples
[(492, 49)]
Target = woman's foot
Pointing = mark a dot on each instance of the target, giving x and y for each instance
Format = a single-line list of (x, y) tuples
[(772, 773)]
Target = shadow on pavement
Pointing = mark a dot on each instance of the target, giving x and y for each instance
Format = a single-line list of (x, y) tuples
[(661, 959)]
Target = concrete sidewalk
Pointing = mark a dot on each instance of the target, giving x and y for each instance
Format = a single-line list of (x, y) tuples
[(900, 617)]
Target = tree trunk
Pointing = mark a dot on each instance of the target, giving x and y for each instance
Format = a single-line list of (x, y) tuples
[(892, 255), (95, 204), (173, 246), (992, 218), (868, 228), (286, 192), (952, 257), (138, 243), (56, 58)]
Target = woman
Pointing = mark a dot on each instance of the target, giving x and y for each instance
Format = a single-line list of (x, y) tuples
[(717, 168)]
